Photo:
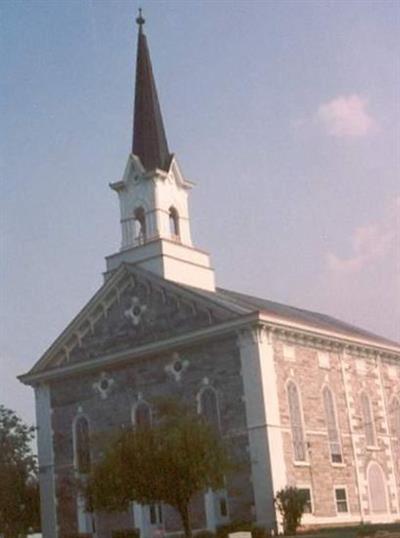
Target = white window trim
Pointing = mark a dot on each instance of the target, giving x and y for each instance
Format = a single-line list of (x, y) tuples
[(198, 398), (308, 486), (306, 462), (74, 439), (139, 402), (339, 514), (333, 463)]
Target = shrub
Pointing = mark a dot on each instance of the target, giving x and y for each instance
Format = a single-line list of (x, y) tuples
[(290, 503)]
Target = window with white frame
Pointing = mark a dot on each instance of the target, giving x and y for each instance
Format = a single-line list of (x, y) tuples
[(82, 446), (308, 508), (155, 513), (331, 423), (368, 420), (209, 407), (142, 415), (341, 500), (296, 422)]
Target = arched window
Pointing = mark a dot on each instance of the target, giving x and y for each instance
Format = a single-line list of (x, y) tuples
[(173, 223), (140, 226), (377, 489), (331, 423), (142, 415), (368, 420), (209, 407), (299, 447), (82, 445)]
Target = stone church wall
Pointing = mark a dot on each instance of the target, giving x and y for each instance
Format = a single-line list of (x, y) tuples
[(216, 364), (347, 375)]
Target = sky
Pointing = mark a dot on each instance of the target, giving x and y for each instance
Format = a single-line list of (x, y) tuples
[(286, 114)]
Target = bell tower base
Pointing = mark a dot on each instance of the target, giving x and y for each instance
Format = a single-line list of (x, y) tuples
[(169, 259)]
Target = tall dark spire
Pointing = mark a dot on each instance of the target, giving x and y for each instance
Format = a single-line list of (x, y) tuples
[(149, 140)]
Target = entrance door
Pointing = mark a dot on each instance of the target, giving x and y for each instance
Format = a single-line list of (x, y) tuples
[(148, 519)]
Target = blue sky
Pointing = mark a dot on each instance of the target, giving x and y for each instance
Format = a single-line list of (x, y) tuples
[(285, 114)]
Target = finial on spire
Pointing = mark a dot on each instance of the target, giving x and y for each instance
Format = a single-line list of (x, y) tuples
[(149, 140), (140, 20)]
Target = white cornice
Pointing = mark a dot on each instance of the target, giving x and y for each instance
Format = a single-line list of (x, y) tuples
[(296, 333), (301, 333)]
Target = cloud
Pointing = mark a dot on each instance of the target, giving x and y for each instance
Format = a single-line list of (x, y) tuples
[(370, 243), (346, 117)]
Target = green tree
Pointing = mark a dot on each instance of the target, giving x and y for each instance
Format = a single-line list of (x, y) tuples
[(168, 462), (19, 492), (291, 503)]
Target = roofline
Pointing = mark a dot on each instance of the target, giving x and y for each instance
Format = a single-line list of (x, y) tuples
[(269, 322), (141, 351), (278, 322)]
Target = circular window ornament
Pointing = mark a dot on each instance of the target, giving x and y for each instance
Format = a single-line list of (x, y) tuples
[(135, 312), (177, 367), (103, 385)]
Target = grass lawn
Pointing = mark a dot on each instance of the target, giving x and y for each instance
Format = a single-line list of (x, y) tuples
[(358, 531)]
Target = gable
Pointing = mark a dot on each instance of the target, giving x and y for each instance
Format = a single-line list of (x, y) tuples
[(133, 308)]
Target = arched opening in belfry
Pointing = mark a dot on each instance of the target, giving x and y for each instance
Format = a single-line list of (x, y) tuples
[(174, 223), (140, 226)]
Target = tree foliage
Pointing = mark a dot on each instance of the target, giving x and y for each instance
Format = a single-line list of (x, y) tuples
[(19, 492), (291, 503), (169, 462)]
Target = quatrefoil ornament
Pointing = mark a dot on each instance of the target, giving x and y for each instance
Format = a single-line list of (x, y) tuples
[(104, 385), (135, 311), (177, 367)]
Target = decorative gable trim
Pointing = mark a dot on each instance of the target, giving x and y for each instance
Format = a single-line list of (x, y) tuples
[(204, 310), (148, 350)]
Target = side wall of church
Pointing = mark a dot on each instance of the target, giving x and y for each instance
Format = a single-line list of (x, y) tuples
[(215, 364), (348, 376)]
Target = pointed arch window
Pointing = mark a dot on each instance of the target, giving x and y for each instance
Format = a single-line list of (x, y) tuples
[(174, 223), (368, 420), (331, 423), (377, 489), (296, 423), (140, 226), (142, 415), (209, 407), (82, 446)]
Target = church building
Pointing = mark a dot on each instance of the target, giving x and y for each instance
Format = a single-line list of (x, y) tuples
[(306, 400)]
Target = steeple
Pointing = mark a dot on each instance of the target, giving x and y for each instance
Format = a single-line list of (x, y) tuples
[(149, 140), (153, 195)]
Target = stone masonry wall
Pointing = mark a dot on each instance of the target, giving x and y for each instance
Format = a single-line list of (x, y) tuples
[(347, 375), (216, 363)]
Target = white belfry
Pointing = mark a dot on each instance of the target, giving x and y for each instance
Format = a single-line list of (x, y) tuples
[(153, 195)]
